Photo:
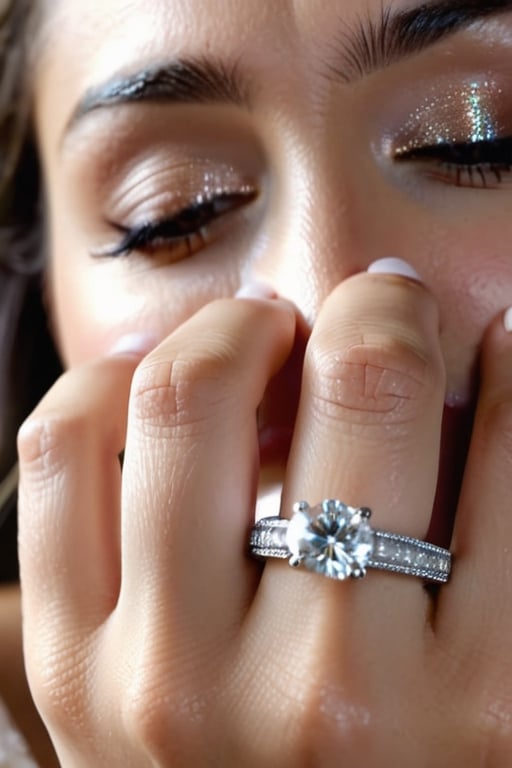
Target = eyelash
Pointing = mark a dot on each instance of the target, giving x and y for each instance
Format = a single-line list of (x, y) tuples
[(479, 164), (185, 228)]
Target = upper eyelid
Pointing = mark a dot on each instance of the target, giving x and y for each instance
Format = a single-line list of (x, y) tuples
[(470, 95), (194, 205), (160, 185), (453, 147), (172, 159), (137, 236), (465, 165)]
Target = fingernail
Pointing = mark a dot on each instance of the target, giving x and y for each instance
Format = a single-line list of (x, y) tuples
[(256, 290), (137, 344), (392, 266), (507, 320)]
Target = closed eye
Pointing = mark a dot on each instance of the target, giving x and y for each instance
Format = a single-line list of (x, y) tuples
[(187, 227), (474, 164)]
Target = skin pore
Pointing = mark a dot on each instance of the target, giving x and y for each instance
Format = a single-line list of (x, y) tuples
[(303, 155)]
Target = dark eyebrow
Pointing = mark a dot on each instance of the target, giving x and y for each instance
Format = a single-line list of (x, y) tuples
[(377, 43), (374, 43), (195, 81)]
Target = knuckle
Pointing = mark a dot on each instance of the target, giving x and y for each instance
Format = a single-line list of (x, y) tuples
[(498, 736), (319, 722), (373, 380), (330, 729), (158, 718), (179, 395), (44, 442), (492, 719), (59, 681), (146, 719), (483, 722)]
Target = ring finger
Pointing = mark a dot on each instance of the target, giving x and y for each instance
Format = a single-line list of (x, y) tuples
[(368, 433)]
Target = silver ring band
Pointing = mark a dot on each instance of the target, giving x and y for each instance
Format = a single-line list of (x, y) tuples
[(338, 541)]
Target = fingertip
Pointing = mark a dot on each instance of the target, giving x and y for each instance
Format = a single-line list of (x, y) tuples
[(496, 351), (136, 344), (256, 289), (499, 330), (507, 320), (264, 292), (394, 266)]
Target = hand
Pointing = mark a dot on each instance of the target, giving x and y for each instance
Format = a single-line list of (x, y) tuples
[(150, 637)]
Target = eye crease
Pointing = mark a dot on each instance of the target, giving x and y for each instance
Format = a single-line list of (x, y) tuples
[(174, 202)]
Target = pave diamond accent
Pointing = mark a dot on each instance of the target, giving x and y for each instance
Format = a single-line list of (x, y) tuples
[(332, 539), (402, 554), (268, 538), (337, 541)]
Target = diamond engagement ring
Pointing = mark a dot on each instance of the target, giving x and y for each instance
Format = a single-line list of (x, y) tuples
[(338, 541)]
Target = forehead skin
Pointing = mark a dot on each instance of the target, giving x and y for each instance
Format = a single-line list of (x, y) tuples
[(80, 42)]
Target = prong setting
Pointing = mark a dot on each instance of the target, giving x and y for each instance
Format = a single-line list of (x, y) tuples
[(331, 538)]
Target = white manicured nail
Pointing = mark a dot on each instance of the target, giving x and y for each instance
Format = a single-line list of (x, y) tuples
[(392, 266), (507, 320), (256, 289), (139, 344)]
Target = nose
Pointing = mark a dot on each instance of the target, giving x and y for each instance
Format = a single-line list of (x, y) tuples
[(313, 237)]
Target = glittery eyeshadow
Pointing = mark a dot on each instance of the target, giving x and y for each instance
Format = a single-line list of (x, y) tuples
[(463, 114)]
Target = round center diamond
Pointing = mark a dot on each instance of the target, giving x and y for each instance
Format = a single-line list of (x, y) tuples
[(332, 539)]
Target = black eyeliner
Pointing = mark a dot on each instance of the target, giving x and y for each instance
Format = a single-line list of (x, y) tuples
[(495, 152), (177, 228)]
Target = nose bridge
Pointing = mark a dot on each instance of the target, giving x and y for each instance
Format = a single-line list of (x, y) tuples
[(311, 244)]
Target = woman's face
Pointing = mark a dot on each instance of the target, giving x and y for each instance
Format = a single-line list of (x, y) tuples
[(191, 148)]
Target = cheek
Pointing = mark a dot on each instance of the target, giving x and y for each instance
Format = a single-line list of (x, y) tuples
[(95, 304), (89, 312), (460, 246), (95, 301), (473, 283)]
